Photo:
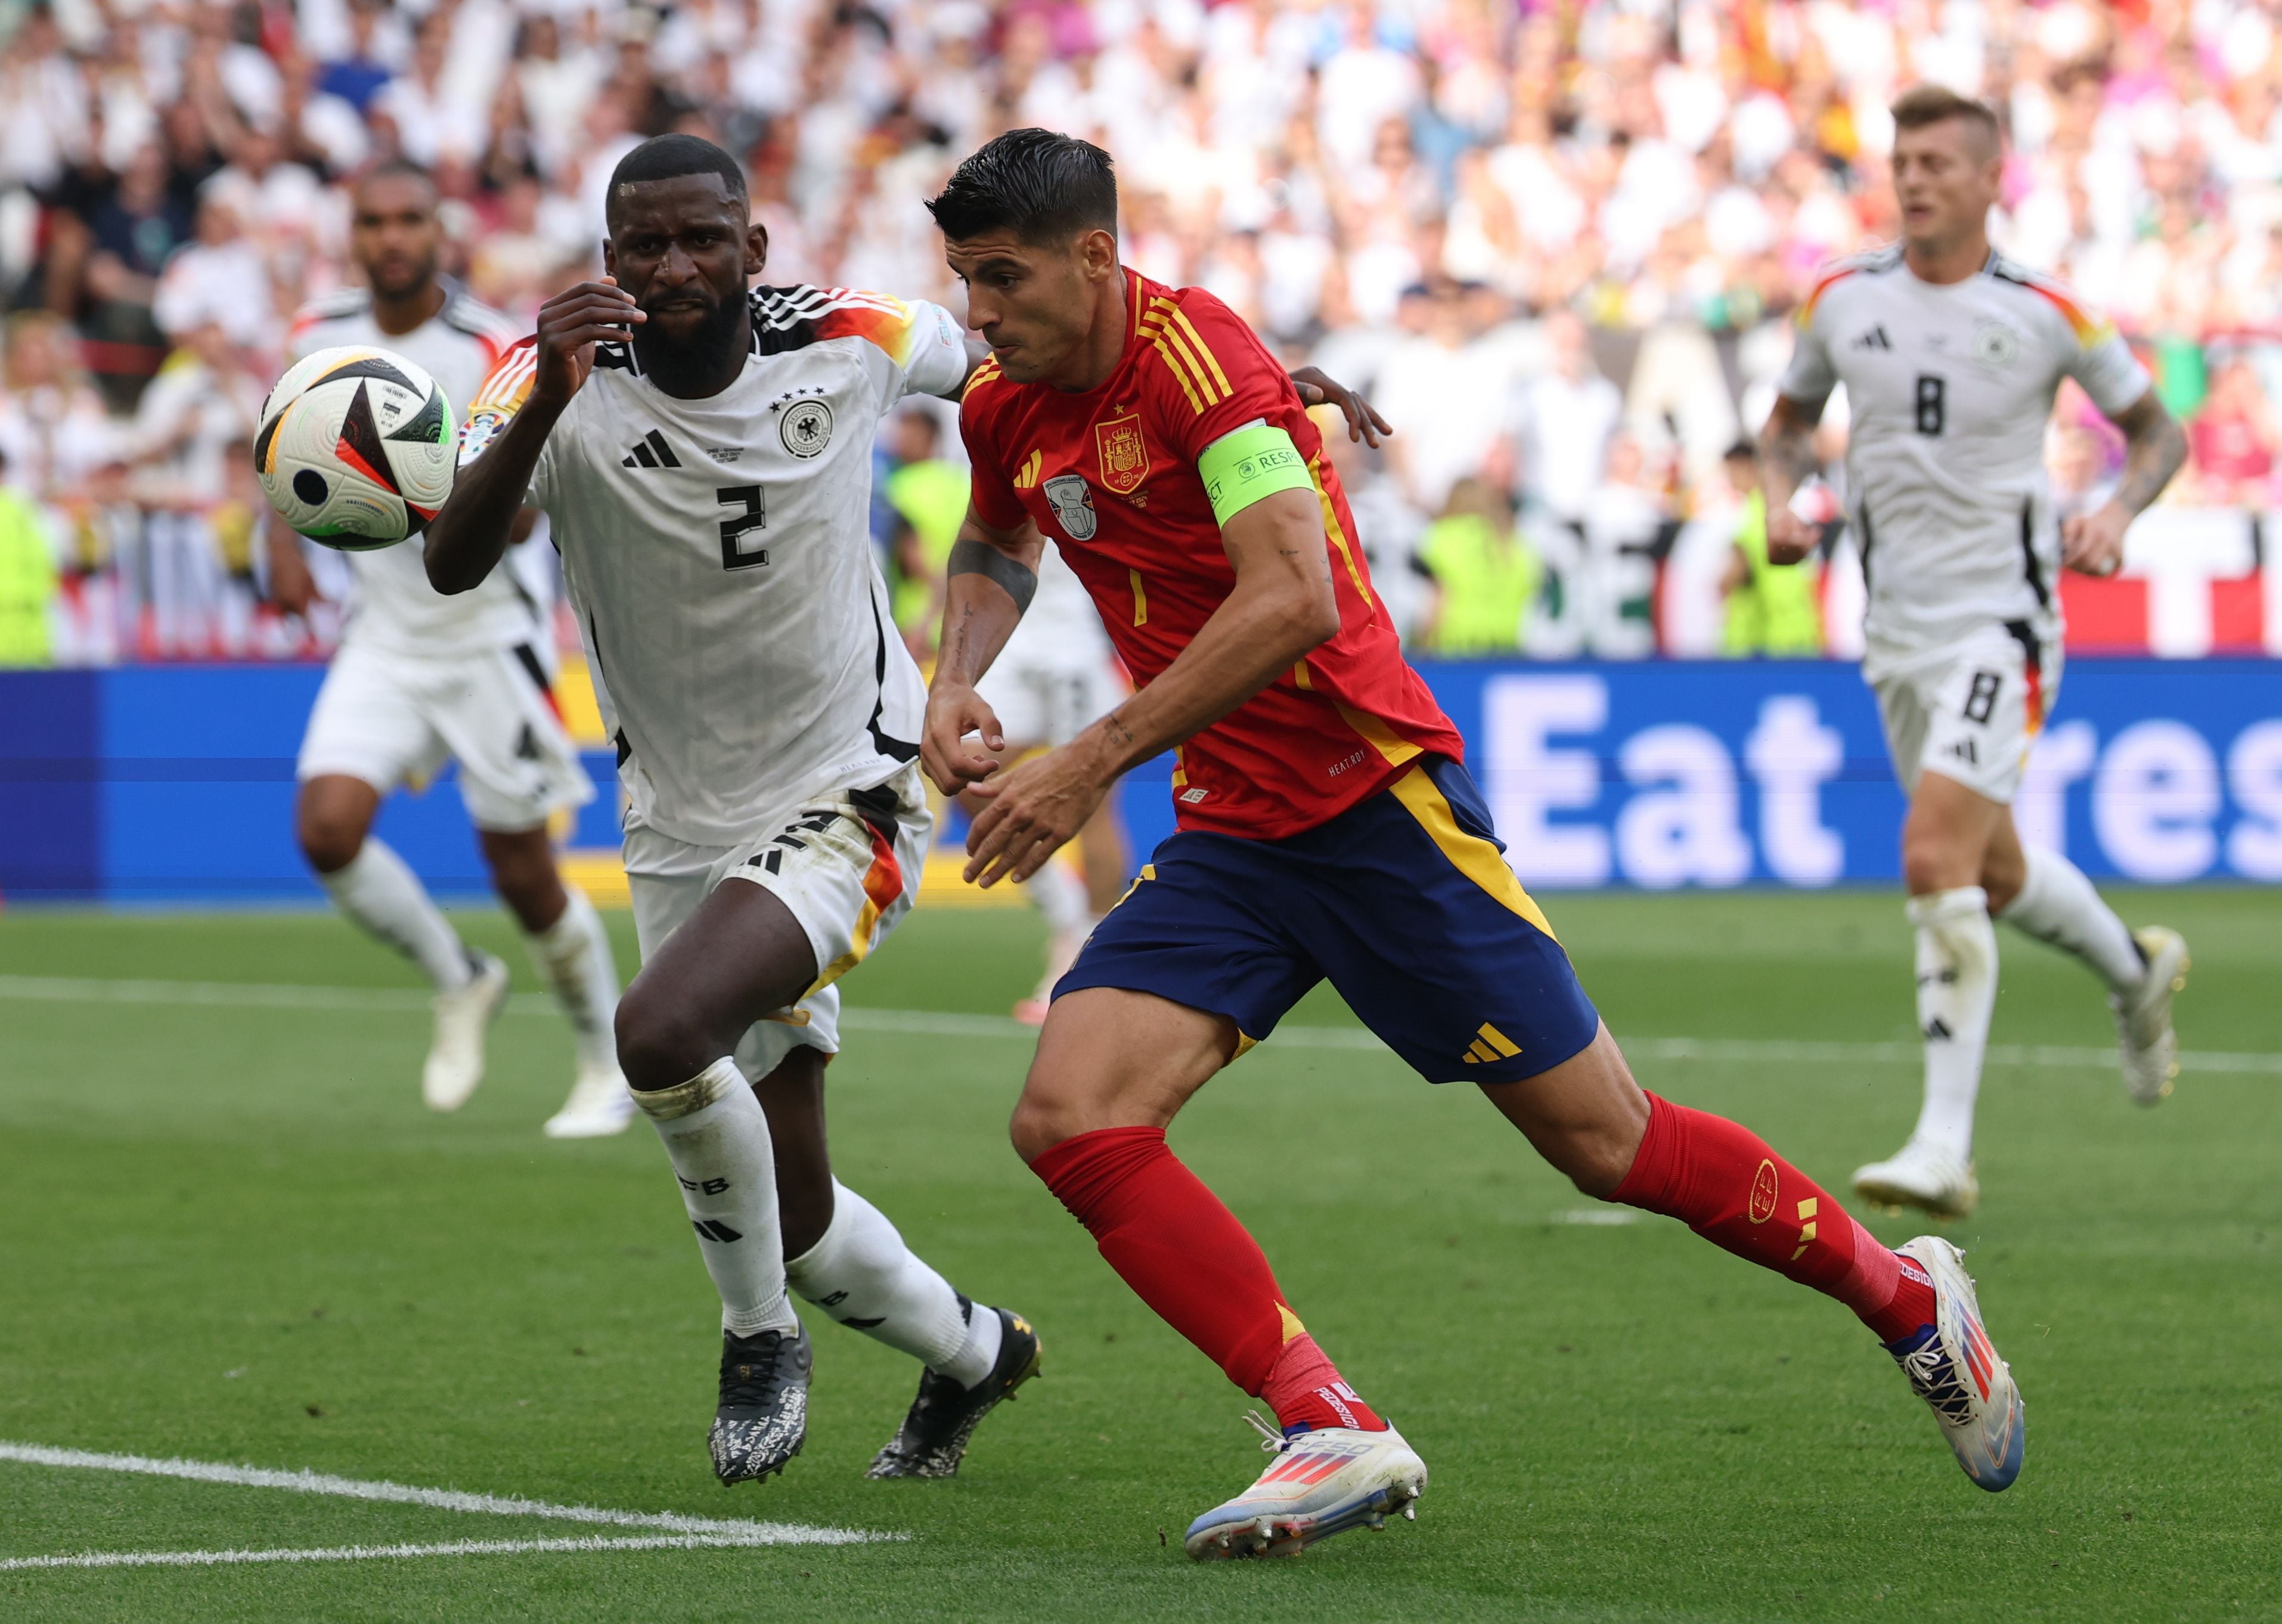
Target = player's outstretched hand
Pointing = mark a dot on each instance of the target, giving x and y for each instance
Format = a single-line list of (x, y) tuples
[(1034, 811), (1789, 538), (2092, 543), (571, 324), (1317, 387), (947, 753)]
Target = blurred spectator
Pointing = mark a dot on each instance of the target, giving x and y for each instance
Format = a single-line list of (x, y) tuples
[(202, 405), (28, 579), (1568, 413), (928, 499), (2232, 440), (53, 430), (219, 279), (1771, 608), (1485, 575)]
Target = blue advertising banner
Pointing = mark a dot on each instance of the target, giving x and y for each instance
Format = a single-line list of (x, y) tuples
[(177, 783)]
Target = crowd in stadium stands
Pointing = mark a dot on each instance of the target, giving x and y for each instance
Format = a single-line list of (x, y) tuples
[(1555, 239)]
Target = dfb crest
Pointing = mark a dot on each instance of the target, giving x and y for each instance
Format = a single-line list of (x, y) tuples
[(1072, 506), (1124, 454)]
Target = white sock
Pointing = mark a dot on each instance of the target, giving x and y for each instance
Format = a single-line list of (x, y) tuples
[(865, 1277), (2059, 905), (574, 955), (718, 1140), (1061, 897), (380, 892), (1957, 994)]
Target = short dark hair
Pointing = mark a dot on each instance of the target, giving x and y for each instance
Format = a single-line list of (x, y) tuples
[(1925, 105), (398, 168), (1037, 184), (1741, 451), (667, 157)]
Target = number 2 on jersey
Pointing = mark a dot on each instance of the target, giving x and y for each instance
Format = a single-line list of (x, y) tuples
[(1933, 403), (735, 554)]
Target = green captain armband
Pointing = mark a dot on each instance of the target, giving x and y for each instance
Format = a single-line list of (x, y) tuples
[(1257, 460)]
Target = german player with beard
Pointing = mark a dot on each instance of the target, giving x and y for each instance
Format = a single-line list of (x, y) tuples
[(705, 457), (1328, 830)]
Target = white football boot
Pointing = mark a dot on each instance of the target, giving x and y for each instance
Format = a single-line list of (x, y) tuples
[(2143, 1016), (1920, 1176), (600, 1105), (456, 1055), (1953, 1366), (1321, 1483)]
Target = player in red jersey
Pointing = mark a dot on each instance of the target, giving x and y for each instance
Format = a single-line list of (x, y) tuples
[(1328, 830)]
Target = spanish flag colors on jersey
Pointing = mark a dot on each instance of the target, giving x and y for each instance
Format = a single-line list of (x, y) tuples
[(1110, 477)]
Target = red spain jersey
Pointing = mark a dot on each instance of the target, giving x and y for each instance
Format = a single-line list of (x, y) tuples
[(1110, 477)]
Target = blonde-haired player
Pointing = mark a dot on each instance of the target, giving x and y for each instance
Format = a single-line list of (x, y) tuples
[(1951, 355)]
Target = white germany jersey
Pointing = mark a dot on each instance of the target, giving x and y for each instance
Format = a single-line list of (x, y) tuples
[(1949, 388), (719, 555), (396, 607)]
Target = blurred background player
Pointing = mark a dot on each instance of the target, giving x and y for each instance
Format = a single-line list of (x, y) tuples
[(1951, 355), (421, 678), (1056, 676)]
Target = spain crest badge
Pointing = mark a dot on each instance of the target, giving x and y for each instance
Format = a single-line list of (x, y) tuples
[(1124, 454)]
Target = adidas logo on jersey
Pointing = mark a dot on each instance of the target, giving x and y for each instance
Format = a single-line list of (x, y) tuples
[(651, 451), (1874, 339)]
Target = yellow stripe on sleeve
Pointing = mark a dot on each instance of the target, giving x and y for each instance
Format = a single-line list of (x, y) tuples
[(1173, 366), (1220, 378), (1172, 336)]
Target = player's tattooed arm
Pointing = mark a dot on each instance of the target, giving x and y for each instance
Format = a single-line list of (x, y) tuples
[(991, 577), (477, 524), (1283, 606), (969, 556), (2155, 448), (1786, 461)]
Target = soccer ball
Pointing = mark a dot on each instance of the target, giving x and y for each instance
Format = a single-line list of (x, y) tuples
[(355, 447)]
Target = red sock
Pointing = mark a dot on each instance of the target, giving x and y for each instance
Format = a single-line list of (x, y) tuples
[(1721, 1180), (1186, 1256), (1304, 1389)]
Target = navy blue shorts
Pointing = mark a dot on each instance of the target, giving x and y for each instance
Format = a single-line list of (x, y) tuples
[(1403, 901)]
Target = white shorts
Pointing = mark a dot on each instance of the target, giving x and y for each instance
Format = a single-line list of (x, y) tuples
[(1049, 703), (391, 718), (847, 864), (1971, 712)]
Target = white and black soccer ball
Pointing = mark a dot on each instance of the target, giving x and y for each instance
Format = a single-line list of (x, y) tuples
[(355, 447)]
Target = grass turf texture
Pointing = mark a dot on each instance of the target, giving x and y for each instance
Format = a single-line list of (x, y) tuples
[(234, 1235)]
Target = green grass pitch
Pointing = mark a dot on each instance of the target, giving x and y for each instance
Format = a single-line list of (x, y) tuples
[(232, 1234)]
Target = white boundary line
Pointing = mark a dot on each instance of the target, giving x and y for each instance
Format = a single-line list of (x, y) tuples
[(364, 1553), (724, 1530), (938, 1023)]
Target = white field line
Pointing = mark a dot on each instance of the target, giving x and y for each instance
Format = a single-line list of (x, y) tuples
[(937, 1023), (729, 1530), (366, 1553)]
